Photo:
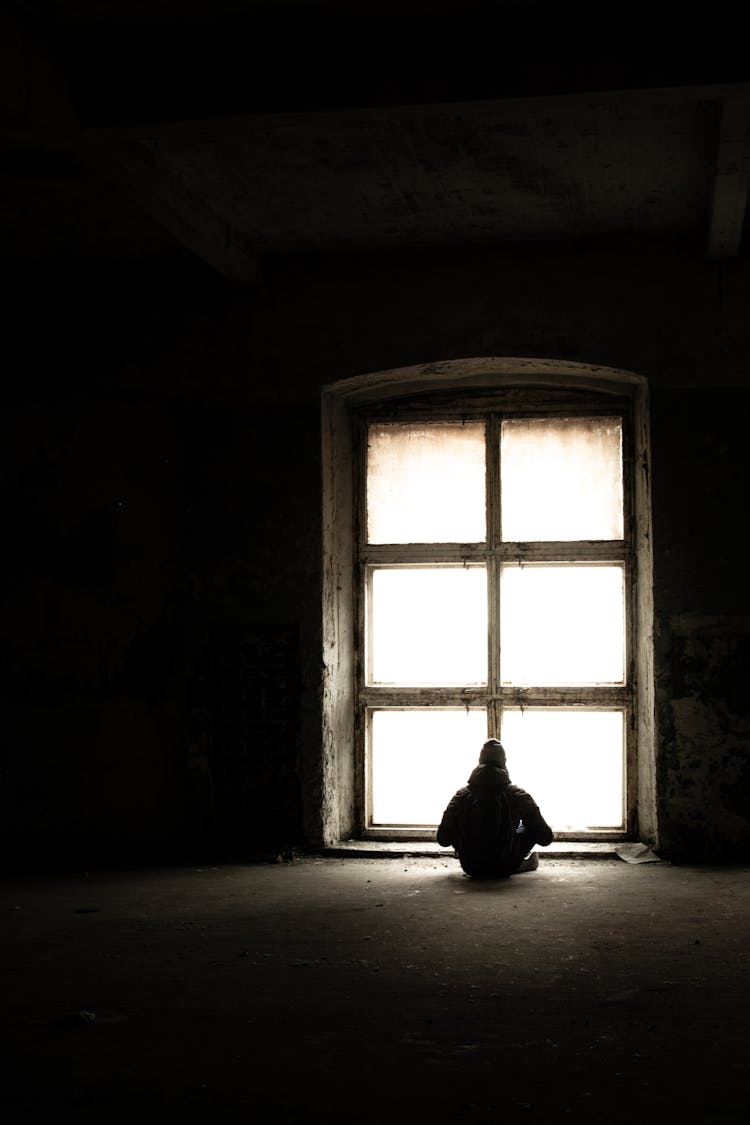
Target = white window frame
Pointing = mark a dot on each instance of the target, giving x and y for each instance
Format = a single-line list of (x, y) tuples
[(483, 384)]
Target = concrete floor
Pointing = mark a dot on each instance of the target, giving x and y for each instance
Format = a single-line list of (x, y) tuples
[(371, 989)]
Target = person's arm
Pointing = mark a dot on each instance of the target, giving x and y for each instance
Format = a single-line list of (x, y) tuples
[(447, 833), (533, 821)]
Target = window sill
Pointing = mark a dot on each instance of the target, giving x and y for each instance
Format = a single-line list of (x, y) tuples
[(382, 849)]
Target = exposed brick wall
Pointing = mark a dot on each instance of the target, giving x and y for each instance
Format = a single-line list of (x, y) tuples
[(702, 622), (245, 749)]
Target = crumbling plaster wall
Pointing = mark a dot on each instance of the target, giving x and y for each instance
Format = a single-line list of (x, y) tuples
[(703, 626), (162, 493)]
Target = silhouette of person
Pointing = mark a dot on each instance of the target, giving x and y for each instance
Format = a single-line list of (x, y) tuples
[(528, 827)]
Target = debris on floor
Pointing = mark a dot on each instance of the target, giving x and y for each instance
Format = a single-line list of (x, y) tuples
[(636, 853)]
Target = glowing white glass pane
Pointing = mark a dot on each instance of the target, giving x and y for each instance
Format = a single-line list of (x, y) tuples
[(428, 626), (419, 760), (425, 483), (562, 625), (572, 764), (561, 479)]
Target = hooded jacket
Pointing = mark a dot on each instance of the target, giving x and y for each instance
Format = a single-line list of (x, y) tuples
[(523, 808)]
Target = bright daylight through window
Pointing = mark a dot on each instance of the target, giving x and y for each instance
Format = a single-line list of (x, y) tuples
[(495, 569)]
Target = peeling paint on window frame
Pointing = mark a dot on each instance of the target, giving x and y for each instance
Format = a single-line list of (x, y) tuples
[(453, 390)]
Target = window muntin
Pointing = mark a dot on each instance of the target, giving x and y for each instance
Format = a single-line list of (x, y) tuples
[(596, 684)]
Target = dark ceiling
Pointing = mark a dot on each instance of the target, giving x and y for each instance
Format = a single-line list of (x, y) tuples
[(155, 132)]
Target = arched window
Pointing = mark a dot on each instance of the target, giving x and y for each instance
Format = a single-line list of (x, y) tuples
[(487, 564)]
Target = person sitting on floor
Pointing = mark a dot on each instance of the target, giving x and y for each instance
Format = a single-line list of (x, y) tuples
[(492, 824)]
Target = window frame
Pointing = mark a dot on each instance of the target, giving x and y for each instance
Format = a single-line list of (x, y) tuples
[(508, 402), (329, 777)]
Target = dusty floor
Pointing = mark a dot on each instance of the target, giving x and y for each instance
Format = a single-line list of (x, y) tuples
[(367, 989)]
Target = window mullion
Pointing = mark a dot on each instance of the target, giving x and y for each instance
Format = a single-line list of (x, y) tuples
[(493, 574), (493, 481)]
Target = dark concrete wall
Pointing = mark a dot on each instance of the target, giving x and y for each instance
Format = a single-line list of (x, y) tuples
[(160, 629)]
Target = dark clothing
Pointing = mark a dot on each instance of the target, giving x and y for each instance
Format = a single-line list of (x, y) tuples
[(530, 826)]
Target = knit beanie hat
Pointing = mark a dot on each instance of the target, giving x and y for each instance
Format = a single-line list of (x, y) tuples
[(492, 753)]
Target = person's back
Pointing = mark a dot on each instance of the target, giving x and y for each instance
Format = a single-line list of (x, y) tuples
[(486, 831), (492, 824)]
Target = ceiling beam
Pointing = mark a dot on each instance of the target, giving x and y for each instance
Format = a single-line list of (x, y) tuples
[(193, 129), (731, 179), (144, 175)]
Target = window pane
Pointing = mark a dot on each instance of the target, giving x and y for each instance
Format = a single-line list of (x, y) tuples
[(419, 760), (561, 479), (425, 483), (428, 625), (561, 625), (572, 764)]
